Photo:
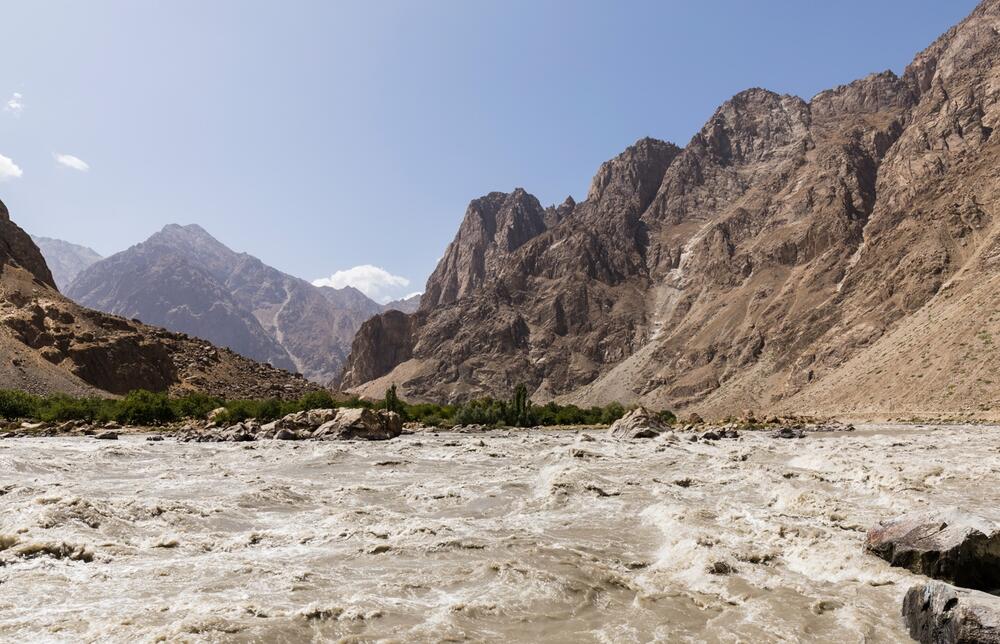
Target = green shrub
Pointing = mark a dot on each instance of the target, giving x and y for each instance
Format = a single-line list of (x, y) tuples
[(141, 407), (667, 416), (196, 405), (316, 400), (17, 404)]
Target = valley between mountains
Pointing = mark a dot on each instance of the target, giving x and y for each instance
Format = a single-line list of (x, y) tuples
[(832, 256)]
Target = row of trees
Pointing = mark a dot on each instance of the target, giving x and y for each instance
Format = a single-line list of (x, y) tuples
[(147, 408)]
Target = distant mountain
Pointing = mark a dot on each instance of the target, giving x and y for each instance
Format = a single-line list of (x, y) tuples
[(64, 259), (184, 279), (49, 344), (406, 305), (837, 255)]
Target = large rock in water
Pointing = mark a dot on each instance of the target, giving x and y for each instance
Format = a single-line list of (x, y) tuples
[(947, 545), (936, 613), (361, 424), (638, 423)]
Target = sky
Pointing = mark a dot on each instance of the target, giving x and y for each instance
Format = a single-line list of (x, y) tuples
[(343, 140)]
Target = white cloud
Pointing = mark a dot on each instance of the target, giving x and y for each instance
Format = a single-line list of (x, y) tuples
[(15, 104), (9, 169), (71, 161), (377, 283)]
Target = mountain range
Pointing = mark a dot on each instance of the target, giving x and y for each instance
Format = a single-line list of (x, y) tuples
[(833, 255), (185, 280), (50, 344)]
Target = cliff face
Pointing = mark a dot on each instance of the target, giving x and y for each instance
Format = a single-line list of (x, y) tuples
[(790, 250), (50, 344)]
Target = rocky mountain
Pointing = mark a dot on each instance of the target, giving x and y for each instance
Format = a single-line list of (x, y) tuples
[(51, 344), (185, 280), (835, 255), (407, 305), (64, 259)]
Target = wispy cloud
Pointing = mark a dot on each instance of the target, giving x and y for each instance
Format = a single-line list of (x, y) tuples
[(71, 161), (377, 283), (15, 104), (9, 169)]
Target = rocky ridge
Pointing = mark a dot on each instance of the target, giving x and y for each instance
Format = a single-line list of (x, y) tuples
[(830, 256)]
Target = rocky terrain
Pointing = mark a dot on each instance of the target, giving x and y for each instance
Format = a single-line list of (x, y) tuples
[(51, 344), (837, 255), (185, 280), (64, 259)]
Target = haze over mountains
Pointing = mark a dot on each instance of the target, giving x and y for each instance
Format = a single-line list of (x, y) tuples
[(64, 259), (185, 280), (840, 254)]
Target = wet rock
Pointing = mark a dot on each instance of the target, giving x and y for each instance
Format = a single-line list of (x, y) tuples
[(638, 423), (106, 436), (937, 613), (287, 435), (948, 545), (154, 439), (720, 568), (710, 436), (789, 432), (361, 424)]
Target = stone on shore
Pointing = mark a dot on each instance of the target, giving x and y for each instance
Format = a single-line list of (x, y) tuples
[(938, 613)]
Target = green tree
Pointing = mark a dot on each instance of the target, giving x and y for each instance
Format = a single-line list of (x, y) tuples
[(393, 403)]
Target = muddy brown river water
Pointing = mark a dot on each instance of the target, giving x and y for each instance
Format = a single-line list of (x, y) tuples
[(497, 537)]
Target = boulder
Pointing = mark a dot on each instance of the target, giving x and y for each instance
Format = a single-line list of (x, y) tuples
[(937, 613), (107, 436), (943, 544), (638, 423), (361, 424), (310, 419)]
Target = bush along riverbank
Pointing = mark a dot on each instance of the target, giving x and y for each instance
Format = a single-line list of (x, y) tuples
[(148, 409)]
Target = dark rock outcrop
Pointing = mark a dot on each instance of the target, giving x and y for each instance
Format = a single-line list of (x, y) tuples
[(946, 545), (936, 613)]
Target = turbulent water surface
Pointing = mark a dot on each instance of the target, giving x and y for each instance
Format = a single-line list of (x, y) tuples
[(504, 536)]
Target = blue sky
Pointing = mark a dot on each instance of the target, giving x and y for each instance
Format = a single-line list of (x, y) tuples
[(321, 135)]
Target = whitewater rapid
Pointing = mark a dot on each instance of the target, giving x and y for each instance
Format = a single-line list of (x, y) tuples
[(548, 536)]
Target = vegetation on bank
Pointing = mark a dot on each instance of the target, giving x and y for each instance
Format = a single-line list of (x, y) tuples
[(146, 408)]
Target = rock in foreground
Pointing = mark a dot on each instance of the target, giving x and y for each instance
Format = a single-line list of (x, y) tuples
[(936, 613), (638, 423), (946, 545)]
